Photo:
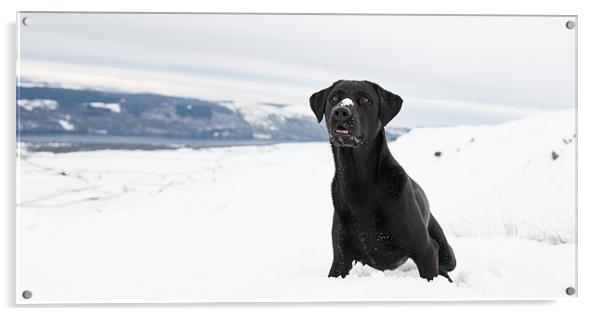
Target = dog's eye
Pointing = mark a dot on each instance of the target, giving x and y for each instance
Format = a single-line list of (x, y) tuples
[(364, 100), (334, 98)]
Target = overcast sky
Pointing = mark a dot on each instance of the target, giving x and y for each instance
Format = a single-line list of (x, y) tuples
[(449, 70)]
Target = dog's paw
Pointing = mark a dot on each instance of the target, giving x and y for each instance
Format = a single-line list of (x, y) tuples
[(338, 271), (428, 276), (428, 270), (427, 263)]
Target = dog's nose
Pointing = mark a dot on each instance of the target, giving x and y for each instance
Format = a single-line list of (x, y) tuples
[(341, 113)]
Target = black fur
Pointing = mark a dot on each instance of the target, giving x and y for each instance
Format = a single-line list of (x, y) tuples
[(381, 216)]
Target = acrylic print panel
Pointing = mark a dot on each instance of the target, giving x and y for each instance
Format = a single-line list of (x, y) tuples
[(176, 157)]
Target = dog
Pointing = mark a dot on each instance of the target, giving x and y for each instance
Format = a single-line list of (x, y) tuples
[(381, 216)]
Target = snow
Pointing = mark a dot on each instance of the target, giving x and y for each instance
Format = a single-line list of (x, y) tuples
[(347, 101), (513, 179), (262, 115), (66, 125), (113, 107), (253, 223), (261, 136), (30, 105)]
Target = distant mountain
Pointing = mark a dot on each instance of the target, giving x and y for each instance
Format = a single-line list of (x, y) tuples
[(274, 121), (48, 110)]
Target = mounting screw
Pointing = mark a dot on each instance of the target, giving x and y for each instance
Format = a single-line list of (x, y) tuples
[(570, 25), (26, 21), (570, 290), (27, 294)]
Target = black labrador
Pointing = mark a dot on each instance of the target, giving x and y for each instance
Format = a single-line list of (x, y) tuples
[(381, 215)]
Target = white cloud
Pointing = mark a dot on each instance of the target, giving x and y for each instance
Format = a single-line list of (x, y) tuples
[(506, 63), (509, 111), (205, 87)]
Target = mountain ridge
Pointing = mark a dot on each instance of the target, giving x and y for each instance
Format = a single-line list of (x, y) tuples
[(49, 110)]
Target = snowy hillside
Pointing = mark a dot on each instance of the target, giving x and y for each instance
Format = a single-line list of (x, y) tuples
[(499, 180), (278, 122), (253, 223)]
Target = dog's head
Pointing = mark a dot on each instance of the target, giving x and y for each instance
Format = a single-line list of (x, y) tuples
[(355, 111)]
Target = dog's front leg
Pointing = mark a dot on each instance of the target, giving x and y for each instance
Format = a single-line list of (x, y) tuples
[(427, 260), (342, 258), (423, 249)]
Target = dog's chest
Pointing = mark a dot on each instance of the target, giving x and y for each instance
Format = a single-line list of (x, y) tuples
[(373, 240), (379, 249), (372, 215)]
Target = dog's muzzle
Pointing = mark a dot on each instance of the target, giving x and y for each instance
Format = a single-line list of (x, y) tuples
[(343, 125)]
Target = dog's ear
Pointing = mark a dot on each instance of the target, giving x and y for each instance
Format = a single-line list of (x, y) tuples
[(317, 101), (390, 104)]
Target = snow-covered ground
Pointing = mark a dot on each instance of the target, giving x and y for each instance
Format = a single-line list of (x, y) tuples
[(113, 107), (30, 105), (253, 223)]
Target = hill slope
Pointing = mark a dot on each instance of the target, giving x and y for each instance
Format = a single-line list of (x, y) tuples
[(514, 179)]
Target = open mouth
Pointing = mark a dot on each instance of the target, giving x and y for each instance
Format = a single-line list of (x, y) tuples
[(345, 134), (341, 130)]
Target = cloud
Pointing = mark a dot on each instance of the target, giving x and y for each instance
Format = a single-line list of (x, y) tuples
[(507, 111), (481, 69), (205, 87)]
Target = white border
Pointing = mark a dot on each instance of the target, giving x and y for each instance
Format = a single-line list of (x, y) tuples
[(590, 151)]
